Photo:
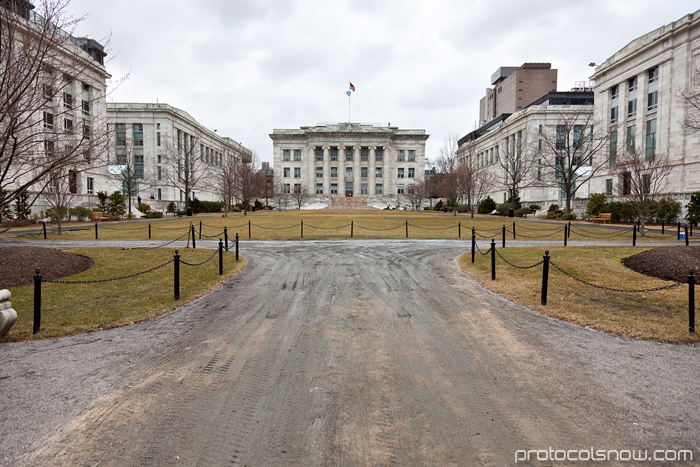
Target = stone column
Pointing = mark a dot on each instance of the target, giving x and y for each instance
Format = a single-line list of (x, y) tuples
[(371, 177), (389, 164), (326, 171)]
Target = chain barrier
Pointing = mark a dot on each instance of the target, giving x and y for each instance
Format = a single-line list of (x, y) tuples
[(236, 226), (516, 266), (274, 228), (168, 228), (660, 237), (102, 226), (476, 244), (326, 228), (623, 232), (108, 280), (203, 262), (484, 236), (436, 228), (157, 246), (380, 230), (521, 226), (213, 236), (610, 289), (542, 236)]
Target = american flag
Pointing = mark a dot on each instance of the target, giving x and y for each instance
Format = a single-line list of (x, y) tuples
[(352, 87)]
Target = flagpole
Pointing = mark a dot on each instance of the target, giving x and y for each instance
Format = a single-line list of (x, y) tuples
[(349, 107)]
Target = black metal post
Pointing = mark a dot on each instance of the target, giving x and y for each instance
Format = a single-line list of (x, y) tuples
[(545, 277), (513, 230), (459, 230), (302, 229), (95, 230), (493, 259), (634, 237), (503, 242), (639, 224), (177, 275), (37, 301), (200, 229), (226, 238), (352, 227), (406, 229), (679, 231), (686, 235), (248, 230), (221, 257), (44, 227), (149, 230), (568, 232), (473, 243), (691, 300), (566, 235), (663, 226), (194, 242), (237, 246), (691, 229)]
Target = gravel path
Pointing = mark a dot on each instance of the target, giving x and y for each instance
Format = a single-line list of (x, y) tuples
[(343, 353)]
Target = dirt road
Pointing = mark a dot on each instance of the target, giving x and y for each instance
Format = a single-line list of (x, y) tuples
[(344, 353)]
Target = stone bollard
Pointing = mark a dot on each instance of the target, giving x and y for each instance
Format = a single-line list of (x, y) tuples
[(8, 316)]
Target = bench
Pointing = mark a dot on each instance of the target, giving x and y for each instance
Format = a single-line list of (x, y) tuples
[(604, 217), (99, 217)]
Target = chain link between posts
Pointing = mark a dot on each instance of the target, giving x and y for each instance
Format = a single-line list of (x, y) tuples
[(108, 280), (654, 289)]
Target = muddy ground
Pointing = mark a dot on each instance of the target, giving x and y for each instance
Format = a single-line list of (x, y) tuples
[(343, 353)]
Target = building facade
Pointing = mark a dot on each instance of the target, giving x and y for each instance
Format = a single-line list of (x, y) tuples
[(154, 140), (514, 88), (637, 97), (376, 164)]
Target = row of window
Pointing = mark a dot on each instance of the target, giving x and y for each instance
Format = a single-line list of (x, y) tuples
[(401, 154), (490, 156), (625, 180), (631, 140), (66, 93), (378, 172), (632, 85), (349, 188)]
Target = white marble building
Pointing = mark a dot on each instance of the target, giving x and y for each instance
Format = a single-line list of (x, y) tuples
[(637, 91), (372, 163), (148, 135)]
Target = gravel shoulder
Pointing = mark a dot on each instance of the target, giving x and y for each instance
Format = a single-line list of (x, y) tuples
[(343, 352)]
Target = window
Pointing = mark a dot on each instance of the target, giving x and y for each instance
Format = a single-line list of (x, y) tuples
[(614, 114), (334, 188), (348, 189), (632, 97), (334, 154), (158, 158), (363, 172), (608, 186), (614, 92), (411, 155), (379, 154), (654, 75), (297, 155), (378, 189), (378, 172), (364, 154), (334, 172), (68, 100), (287, 188), (319, 172), (138, 166), (72, 181), (399, 188), (632, 108), (561, 138), (363, 188), (158, 139), (646, 182), (400, 172), (286, 155), (319, 188), (319, 154), (90, 185), (287, 172), (411, 172), (297, 172), (539, 174), (613, 149), (68, 125), (348, 154), (160, 173), (631, 133), (651, 138), (401, 155), (138, 135), (160, 194), (48, 120), (652, 100), (540, 129), (626, 183), (348, 172), (86, 99), (632, 84)]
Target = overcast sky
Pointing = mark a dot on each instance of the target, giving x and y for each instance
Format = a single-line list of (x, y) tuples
[(248, 67)]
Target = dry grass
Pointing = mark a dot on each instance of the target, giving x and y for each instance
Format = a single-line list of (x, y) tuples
[(659, 315), (77, 308)]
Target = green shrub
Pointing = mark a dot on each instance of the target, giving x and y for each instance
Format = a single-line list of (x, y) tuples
[(438, 206), (22, 208), (487, 206), (522, 211), (116, 204), (693, 206), (664, 210), (596, 202), (209, 206), (554, 212), (171, 207), (144, 208), (235, 209), (535, 207), (153, 215), (569, 217), (502, 209), (81, 213), (258, 205), (51, 213), (462, 208)]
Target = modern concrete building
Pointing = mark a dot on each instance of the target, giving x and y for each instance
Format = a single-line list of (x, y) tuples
[(349, 162), (514, 88), (637, 94), (153, 140)]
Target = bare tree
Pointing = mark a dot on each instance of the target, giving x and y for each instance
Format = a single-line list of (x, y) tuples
[(185, 167), (224, 181), (246, 182), (690, 101), (126, 167), (574, 148), (59, 194), (281, 194), (475, 184), (518, 162), (446, 161), (416, 193), (641, 178), (300, 194), (42, 130)]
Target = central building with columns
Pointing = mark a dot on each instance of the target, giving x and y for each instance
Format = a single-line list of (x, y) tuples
[(349, 162)]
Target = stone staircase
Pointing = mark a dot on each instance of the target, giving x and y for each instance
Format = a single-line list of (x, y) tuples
[(348, 203)]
